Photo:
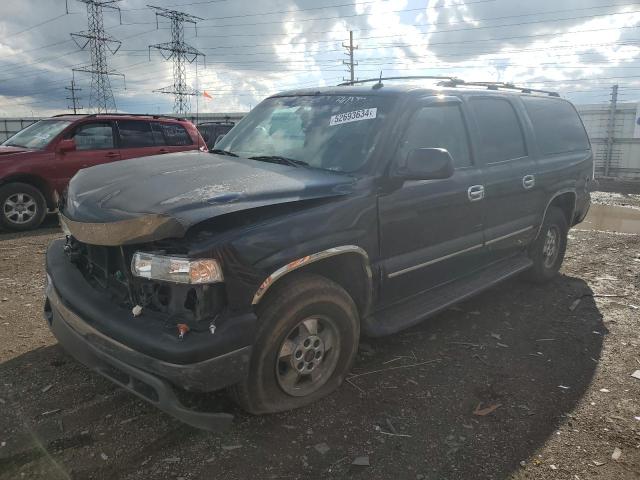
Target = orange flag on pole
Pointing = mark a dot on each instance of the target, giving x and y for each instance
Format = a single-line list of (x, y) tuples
[(206, 95)]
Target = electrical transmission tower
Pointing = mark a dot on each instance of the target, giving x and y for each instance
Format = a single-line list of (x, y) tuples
[(350, 63), (99, 43), (75, 105), (181, 53)]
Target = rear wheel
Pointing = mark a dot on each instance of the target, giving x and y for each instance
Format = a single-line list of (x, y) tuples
[(22, 207), (547, 251), (306, 343)]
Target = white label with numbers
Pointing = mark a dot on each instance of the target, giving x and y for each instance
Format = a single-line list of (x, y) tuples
[(355, 116)]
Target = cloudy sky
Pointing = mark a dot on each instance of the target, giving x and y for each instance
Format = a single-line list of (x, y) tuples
[(577, 47)]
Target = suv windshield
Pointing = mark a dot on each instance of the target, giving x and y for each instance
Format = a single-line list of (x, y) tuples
[(332, 132), (38, 135)]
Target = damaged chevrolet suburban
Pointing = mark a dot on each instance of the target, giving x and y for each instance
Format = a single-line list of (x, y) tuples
[(323, 215)]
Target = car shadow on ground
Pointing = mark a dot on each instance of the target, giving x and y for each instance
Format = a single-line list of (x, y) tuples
[(470, 393), (49, 225)]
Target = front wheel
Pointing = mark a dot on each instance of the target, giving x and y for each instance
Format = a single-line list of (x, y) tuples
[(306, 342), (547, 251), (22, 206)]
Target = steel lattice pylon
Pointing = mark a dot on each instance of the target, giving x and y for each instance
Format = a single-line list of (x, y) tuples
[(101, 97), (181, 53)]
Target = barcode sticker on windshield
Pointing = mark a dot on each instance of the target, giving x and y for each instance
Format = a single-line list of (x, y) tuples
[(355, 116)]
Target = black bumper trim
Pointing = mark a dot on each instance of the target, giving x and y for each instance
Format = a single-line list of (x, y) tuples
[(88, 346)]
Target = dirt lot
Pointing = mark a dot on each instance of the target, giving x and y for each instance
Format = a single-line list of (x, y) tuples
[(552, 362)]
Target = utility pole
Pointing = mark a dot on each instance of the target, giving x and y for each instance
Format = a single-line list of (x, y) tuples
[(99, 43), (350, 63), (74, 99), (610, 129), (180, 53)]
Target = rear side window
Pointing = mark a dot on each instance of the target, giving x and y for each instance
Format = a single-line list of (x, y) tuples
[(93, 136), (501, 136), (135, 134), (176, 135), (158, 136), (440, 126), (556, 124)]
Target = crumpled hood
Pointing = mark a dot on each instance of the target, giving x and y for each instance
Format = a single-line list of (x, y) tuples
[(187, 188)]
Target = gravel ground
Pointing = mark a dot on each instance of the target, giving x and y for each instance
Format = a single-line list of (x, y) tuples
[(521, 382)]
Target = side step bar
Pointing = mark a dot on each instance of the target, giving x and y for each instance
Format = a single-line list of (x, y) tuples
[(415, 310)]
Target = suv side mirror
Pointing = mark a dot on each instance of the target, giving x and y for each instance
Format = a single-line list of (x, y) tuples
[(428, 164), (66, 145)]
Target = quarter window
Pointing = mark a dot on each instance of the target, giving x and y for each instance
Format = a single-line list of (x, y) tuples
[(176, 135), (135, 134), (556, 124), (438, 127), (93, 136), (501, 136)]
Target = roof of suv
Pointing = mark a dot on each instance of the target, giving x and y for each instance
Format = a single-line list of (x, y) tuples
[(383, 87)]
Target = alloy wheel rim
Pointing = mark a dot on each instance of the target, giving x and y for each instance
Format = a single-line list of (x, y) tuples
[(307, 356), (551, 246), (20, 208)]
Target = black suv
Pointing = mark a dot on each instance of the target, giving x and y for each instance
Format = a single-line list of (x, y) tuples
[(325, 214)]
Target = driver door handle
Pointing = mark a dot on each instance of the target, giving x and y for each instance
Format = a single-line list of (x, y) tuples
[(475, 193), (112, 154)]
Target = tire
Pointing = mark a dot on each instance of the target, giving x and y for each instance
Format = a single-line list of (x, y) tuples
[(285, 324), (22, 207), (547, 258)]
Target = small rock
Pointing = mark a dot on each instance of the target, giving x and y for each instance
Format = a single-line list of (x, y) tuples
[(553, 467), (604, 390), (104, 456), (322, 448), (636, 374), (361, 461), (523, 463), (3, 444), (136, 311), (617, 453)]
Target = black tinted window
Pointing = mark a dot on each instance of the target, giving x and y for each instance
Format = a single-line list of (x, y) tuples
[(438, 127), (93, 136), (501, 136), (158, 137), (175, 134), (135, 134), (556, 124)]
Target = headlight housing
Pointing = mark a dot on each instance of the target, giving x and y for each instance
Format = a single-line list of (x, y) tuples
[(176, 269)]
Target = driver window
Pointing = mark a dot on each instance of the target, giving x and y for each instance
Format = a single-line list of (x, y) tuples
[(438, 126), (93, 136)]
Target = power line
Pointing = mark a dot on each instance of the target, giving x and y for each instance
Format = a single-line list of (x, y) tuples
[(181, 53), (75, 105), (99, 42)]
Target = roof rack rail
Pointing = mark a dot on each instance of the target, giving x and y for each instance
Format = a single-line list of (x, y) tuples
[(410, 77), (496, 86), (136, 115), (69, 115)]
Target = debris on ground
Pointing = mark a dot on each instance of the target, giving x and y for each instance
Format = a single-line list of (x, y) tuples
[(617, 453), (231, 447), (322, 448), (47, 388), (361, 461), (483, 412), (636, 374), (575, 303), (136, 311)]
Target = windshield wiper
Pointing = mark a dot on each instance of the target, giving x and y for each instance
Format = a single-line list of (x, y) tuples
[(280, 160), (222, 152)]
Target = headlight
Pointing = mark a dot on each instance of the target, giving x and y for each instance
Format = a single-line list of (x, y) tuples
[(176, 269)]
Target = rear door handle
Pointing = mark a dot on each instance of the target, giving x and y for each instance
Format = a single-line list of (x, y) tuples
[(112, 155), (163, 150), (475, 193), (528, 181)]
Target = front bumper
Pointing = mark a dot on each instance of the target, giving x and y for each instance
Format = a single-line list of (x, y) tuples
[(146, 376)]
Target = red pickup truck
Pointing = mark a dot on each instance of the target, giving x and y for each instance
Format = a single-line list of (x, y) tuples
[(41, 159)]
